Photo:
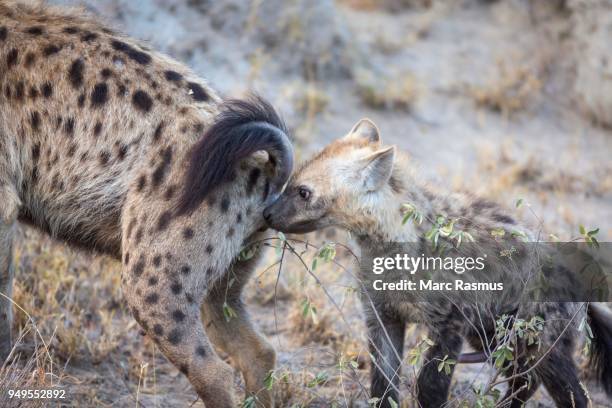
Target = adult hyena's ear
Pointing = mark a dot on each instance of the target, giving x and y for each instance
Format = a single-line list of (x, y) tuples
[(376, 168), (365, 129)]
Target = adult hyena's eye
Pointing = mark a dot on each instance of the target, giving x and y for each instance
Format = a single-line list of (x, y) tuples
[(305, 193)]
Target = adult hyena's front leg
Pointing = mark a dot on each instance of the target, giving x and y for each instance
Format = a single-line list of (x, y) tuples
[(252, 353), (167, 312), (8, 216)]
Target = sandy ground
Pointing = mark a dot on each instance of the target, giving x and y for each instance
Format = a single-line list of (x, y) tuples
[(478, 92)]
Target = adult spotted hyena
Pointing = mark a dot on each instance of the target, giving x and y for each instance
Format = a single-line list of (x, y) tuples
[(357, 184), (113, 147)]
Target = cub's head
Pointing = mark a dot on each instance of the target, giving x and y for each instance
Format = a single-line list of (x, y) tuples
[(335, 187)]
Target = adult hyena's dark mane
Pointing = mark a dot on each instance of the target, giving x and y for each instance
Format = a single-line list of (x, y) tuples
[(243, 127)]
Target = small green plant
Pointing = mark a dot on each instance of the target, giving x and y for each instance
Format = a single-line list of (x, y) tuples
[(319, 379), (446, 364), (326, 253), (415, 355), (308, 309), (589, 236)]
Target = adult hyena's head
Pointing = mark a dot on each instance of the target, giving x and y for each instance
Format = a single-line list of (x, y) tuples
[(338, 186)]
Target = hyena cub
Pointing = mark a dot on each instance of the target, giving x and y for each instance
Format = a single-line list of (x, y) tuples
[(113, 147), (357, 184)]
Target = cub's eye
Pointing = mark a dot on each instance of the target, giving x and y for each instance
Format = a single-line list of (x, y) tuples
[(304, 193)]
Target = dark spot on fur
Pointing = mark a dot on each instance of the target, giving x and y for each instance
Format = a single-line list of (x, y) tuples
[(99, 96), (35, 121), (230, 232), (482, 204), (184, 369), (97, 129), (36, 152), (36, 30), (164, 220), (126, 259), (174, 337), (11, 58), (153, 281), (209, 248), (201, 351), (33, 92), (176, 288), (51, 49), (81, 100), (503, 218), (106, 73), (140, 57), (75, 73), (152, 298), (142, 181), (139, 234), (30, 58), (185, 269), (188, 233), (239, 218), (89, 36), (199, 94), (157, 261), (3, 33), (122, 151), (225, 204), (139, 267), (158, 132), (72, 149), (169, 193), (158, 330), (70, 30), (253, 177), (178, 316), (160, 171), (172, 75), (121, 90), (19, 90), (104, 157), (189, 298), (47, 90), (142, 101)]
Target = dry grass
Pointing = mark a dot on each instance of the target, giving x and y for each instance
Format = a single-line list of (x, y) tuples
[(398, 92), (510, 91)]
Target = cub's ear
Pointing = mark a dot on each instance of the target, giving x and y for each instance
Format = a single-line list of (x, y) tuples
[(365, 129), (377, 168)]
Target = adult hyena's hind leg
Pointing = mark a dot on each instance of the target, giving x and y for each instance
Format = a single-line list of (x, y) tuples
[(164, 294), (252, 353), (8, 215)]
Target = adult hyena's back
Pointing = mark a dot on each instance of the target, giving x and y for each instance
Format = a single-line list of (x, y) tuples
[(85, 114)]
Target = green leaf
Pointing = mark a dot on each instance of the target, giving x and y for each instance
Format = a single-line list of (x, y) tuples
[(519, 203), (392, 403), (582, 229), (319, 379), (228, 312), (249, 402), (269, 380)]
